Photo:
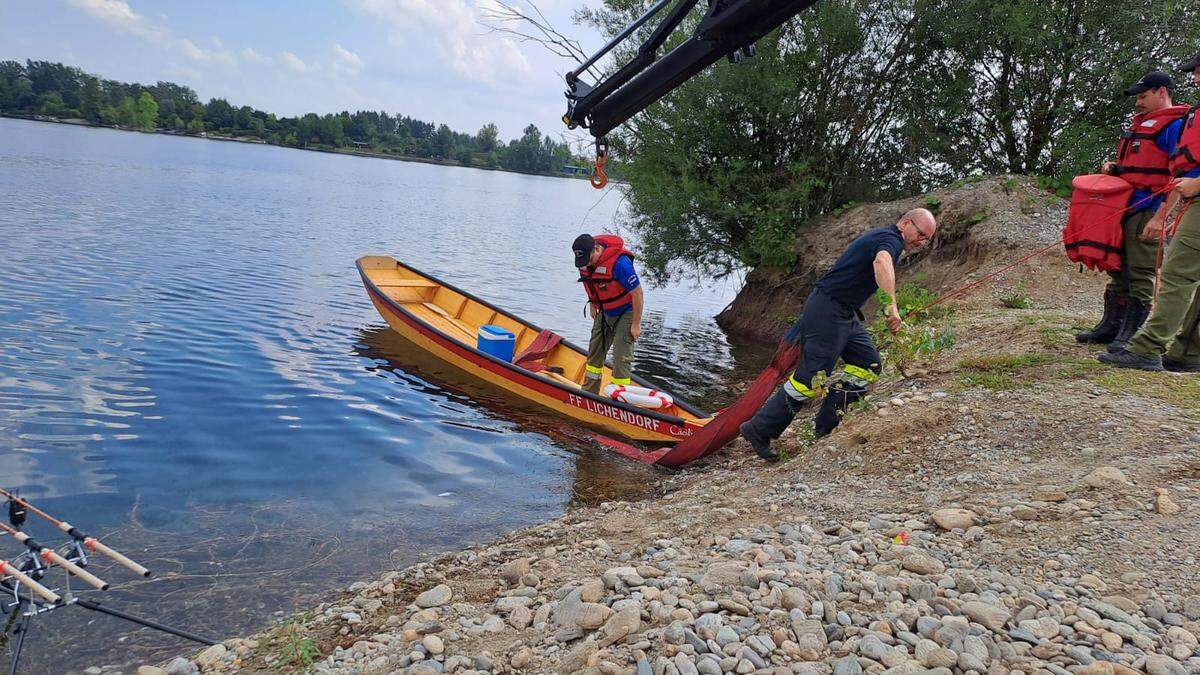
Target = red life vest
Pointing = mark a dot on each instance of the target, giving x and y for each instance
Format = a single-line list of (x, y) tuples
[(1093, 235), (1187, 154), (605, 292), (1140, 161)]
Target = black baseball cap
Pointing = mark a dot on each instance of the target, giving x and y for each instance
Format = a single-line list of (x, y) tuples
[(582, 247), (1191, 64), (1152, 80)]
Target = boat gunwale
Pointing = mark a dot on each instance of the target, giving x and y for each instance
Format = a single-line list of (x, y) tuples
[(397, 306)]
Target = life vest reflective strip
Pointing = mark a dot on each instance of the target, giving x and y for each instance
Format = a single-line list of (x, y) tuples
[(639, 396), (603, 291), (1187, 153), (1140, 161)]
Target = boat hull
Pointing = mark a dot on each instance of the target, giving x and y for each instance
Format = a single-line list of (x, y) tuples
[(574, 404)]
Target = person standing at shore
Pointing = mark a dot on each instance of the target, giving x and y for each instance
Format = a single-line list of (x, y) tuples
[(1171, 337), (830, 328), (1143, 155), (615, 301)]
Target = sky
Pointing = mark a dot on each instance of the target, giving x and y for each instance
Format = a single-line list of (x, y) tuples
[(429, 59)]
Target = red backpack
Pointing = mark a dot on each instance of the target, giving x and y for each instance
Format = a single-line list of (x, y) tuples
[(1093, 236)]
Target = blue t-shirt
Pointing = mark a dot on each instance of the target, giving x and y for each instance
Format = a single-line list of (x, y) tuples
[(625, 275), (1166, 141), (851, 280)]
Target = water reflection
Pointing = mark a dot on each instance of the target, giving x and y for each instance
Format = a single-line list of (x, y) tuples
[(598, 475)]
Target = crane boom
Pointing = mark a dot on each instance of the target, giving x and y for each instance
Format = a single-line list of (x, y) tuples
[(729, 28)]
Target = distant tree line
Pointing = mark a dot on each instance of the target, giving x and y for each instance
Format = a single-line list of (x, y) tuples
[(65, 92)]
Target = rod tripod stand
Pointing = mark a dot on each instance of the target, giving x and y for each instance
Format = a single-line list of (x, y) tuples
[(24, 610), (23, 596)]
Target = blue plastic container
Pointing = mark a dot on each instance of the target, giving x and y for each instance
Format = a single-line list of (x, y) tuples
[(499, 342)]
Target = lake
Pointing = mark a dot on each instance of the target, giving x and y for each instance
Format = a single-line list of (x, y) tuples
[(190, 366)]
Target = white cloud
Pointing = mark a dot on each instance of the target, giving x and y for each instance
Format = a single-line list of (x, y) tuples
[(292, 61), (118, 13), (347, 59), (251, 56), (191, 51), (454, 27)]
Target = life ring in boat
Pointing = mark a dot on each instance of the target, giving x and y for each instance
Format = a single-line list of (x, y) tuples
[(639, 396)]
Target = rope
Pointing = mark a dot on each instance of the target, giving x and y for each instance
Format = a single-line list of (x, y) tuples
[(1168, 231), (962, 289)]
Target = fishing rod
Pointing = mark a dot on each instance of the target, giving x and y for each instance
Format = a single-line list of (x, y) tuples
[(89, 542), (51, 556)]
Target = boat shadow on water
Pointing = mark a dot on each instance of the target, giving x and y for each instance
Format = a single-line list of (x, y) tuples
[(598, 475)]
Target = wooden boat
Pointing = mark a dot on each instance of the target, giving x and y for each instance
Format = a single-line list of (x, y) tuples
[(445, 321)]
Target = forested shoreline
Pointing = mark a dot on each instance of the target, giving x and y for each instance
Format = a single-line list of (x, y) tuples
[(47, 91)]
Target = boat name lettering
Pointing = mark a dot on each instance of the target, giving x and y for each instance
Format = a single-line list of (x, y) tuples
[(613, 412)]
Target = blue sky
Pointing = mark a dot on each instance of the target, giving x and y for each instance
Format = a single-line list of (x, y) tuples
[(430, 59)]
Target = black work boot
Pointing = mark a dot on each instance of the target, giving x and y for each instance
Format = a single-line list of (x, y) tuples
[(1127, 359), (1175, 366), (839, 397), (769, 422), (1134, 316), (1110, 323)]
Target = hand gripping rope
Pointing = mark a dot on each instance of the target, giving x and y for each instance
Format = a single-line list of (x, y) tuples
[(1166, 233)]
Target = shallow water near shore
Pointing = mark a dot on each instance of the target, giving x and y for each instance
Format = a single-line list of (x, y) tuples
[(190, 366)]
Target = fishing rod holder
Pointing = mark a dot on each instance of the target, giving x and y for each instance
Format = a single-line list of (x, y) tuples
[(23, 595)]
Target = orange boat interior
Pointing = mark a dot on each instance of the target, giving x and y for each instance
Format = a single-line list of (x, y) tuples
[(460, 316)]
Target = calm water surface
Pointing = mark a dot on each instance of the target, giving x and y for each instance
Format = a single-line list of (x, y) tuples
[(189, 364)]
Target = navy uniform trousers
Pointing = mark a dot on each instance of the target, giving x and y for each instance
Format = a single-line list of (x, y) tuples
[(828, 330)]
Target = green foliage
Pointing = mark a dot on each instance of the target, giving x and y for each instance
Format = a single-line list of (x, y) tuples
[(1060, 186), (298, 651), (806, 436), (533, 153), (922, 333), (837, 213), (968, 180), (978, 217), (988, 380), (1038, 82), (1000, 372), (1015, 297), (933, 204), (1182, 392), (725, 169), (1009, 184), (1007, 363), (146, 115), (1015, 300)]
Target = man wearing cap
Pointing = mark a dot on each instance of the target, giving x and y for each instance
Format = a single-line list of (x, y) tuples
[(615, 303), (1143, 154), (1171, 337), (830, 328)]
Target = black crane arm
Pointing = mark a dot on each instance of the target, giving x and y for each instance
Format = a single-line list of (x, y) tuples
[(729, 28)]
